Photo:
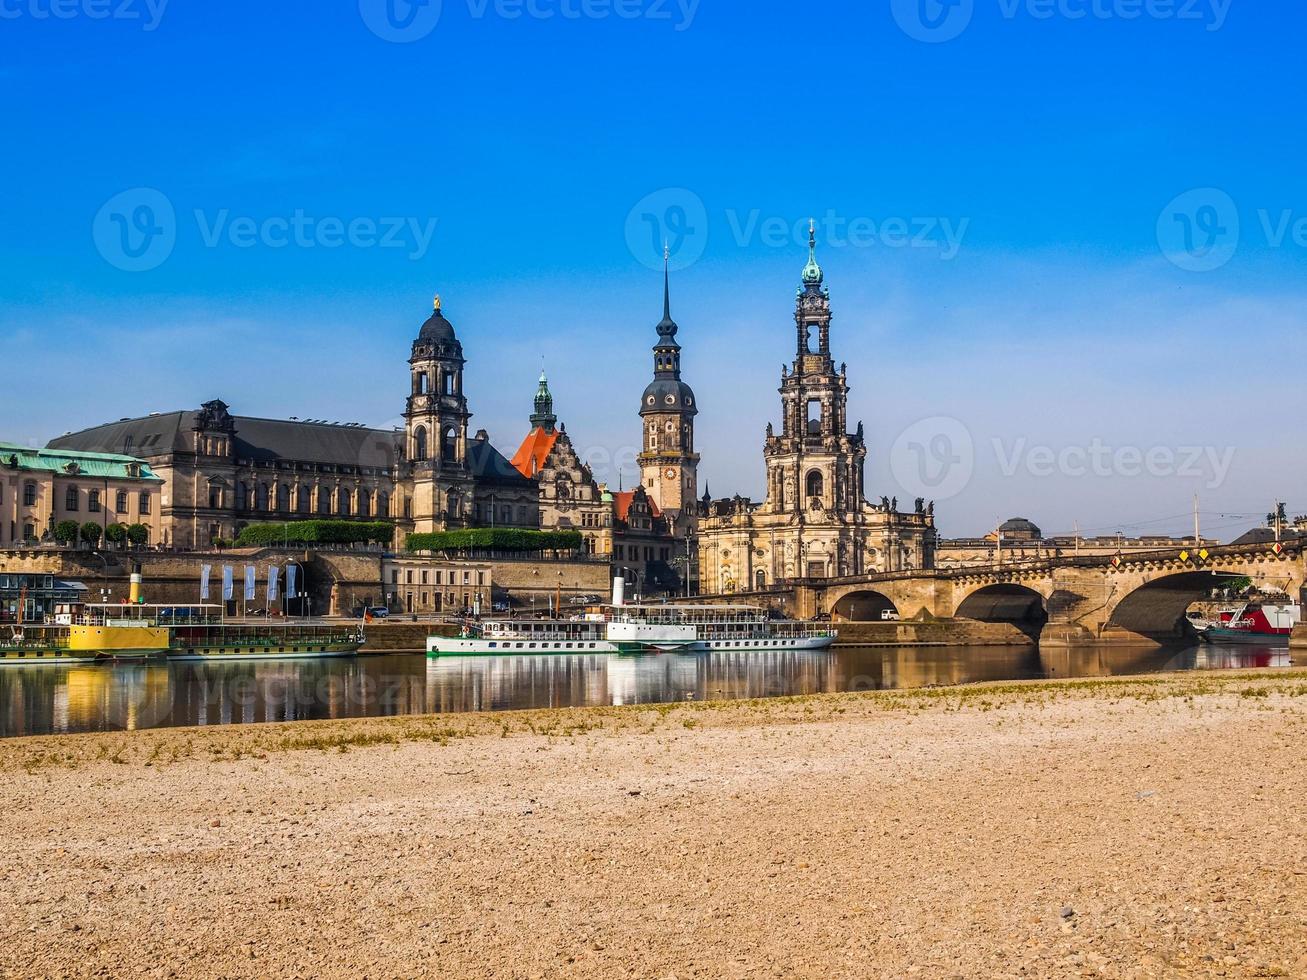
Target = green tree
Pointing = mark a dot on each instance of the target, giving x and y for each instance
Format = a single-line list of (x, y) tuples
[(138, 534), (65, 532), (116, 534), (91, 533)]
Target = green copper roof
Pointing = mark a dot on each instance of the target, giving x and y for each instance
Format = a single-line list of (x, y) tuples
[(69, 463), (812, 274)]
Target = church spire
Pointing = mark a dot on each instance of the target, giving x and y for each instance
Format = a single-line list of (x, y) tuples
[(544, 417), (667, 328), (812, 274)]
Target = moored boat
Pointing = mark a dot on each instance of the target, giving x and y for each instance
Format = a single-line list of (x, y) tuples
[(1263, 624)]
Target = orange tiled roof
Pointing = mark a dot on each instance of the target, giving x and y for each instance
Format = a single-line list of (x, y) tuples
[(622, 504), (535, 449)]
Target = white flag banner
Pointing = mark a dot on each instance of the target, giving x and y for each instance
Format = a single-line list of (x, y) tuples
[(204, 581), (251, 588), (290, 582), (228, 591), (272, 584)]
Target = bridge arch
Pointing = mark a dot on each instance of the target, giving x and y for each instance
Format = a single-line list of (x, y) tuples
[(1006, 602), (863, 606), (1156, 609)]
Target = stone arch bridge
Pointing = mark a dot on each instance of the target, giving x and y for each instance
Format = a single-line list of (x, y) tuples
[(1062, 601)]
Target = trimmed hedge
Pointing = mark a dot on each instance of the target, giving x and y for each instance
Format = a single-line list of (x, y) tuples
[(316, 532), (495, 539)]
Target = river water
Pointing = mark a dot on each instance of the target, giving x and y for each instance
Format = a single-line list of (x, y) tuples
[(39, 700)]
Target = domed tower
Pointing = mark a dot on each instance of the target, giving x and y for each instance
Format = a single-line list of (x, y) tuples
[(436, 421), (669, 464)]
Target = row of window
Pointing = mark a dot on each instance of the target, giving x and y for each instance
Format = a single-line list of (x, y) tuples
[(425, 577), (73, 499), (622, 552), (341, 501)]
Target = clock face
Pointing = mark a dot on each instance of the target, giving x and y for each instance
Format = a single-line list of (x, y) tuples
[(669, 473)]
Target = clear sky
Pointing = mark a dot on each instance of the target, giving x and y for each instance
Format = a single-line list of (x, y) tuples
[(1064, 239)]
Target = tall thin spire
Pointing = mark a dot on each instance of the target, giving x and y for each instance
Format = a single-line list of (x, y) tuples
[(667, 328)]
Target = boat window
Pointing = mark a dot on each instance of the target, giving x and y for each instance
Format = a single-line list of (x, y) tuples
[(493, 644)]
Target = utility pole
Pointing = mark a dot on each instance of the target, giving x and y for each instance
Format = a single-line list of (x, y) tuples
[(1198, 539)]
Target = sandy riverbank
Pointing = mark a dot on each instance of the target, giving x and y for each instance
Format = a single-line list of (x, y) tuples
[(1149, 827)]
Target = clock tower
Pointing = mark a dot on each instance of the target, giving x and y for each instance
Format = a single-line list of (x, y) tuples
[(668, 462)]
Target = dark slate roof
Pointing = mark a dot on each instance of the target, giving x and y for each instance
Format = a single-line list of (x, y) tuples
[(256, 439), (437, 329), (155, 435), (265, 440), (490, 466), (1020, 524), (1266, 535), (681, 393), (345, 445)]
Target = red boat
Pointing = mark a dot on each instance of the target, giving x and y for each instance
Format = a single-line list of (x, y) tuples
[(1254, 622)]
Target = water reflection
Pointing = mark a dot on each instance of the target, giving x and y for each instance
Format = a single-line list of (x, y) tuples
[(55, 699)]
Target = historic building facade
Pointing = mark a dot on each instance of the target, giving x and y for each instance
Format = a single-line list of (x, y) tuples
[(815, 521), (39, 488), (222, 471)]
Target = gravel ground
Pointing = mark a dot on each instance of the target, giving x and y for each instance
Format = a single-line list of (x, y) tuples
[(1142, 828)]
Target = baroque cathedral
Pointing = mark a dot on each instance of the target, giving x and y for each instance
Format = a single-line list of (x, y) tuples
[(815, 521)]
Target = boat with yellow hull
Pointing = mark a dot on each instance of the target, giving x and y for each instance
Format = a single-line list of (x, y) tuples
[(132, 633)]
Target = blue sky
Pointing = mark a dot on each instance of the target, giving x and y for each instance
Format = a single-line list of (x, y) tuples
[(1050, 235)]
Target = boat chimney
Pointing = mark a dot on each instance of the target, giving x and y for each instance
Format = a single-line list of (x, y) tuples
[(134, 597), (619, 591)]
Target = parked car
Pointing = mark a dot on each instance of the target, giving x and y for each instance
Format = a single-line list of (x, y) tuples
[(377, 612), (889, 614)]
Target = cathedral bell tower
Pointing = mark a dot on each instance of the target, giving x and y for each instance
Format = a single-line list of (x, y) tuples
[(815, 465), (668, 463), (435, 424)]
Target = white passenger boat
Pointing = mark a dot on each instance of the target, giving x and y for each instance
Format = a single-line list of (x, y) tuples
[(622, 628)]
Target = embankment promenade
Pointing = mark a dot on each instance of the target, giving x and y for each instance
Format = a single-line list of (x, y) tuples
[(1134, 827)]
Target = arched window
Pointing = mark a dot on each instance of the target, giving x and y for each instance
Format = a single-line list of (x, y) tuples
[(419, 444), (365, 503), (452, 505), (242, 497), (423, 383), (814, 483), (70, 498), (283, 497), (449, 451), (343, 502), (383, 503), (760, 580), (448, 378), (261, 496), (302, 500), (29, 494), (324, 500)]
